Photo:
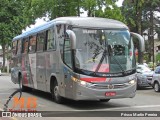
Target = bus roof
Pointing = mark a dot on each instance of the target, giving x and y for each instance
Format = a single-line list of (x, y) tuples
[(85, 22)]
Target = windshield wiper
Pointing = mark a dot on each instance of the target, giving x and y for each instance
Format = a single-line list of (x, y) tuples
[(103, 56), (120, 66), (108, 52), (101, 60)]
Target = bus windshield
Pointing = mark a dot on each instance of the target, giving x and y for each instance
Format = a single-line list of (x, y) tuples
[(104, 51)]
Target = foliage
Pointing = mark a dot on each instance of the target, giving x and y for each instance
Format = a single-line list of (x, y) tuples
[(15, 15), (60, 8), (54, 8), (158, 58), (150, 65), (137, 13), (145, 58)]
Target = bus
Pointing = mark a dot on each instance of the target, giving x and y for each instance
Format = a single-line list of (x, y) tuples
[(78, 58)]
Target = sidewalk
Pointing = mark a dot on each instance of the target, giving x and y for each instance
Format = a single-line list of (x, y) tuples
[(6, 74)]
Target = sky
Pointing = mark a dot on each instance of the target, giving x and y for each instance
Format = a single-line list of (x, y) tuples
[(42, 21)]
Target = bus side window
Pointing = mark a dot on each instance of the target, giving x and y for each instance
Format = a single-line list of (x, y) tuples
[(40, 41), (19, 48), (32, 44), (14, 48), (50, 39), (67, 51), (25, 45)]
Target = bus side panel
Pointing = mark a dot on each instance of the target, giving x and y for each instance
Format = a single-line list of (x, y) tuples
[(60, 30), (16, 68), (32, 62), (41, 71), (52, 62), (26, 71)]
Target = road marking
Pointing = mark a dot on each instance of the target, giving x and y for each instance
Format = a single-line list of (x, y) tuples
[(118, 108)]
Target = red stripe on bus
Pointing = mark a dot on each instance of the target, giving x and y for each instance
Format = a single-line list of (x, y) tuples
[(93, 79), (25, 78), (110, 80), (25, 81)]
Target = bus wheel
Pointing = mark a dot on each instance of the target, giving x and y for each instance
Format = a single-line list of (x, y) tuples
[(23, 88), (55, 93), (104, 100)]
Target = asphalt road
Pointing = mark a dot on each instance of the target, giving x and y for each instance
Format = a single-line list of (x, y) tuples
[(145, 100)]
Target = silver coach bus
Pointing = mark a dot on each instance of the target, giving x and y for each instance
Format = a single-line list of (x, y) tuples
[(77, 58)]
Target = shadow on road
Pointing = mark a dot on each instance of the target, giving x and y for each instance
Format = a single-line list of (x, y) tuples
[(145, 88), (79, 105)]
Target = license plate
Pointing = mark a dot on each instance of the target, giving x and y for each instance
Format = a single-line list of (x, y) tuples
[(110, 93)]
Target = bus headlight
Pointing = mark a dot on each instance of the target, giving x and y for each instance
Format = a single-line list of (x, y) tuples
[(81, 82), (132, 82)]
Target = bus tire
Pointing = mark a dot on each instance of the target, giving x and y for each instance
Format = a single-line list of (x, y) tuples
[(104, 100), (22, 87), (55, 93)]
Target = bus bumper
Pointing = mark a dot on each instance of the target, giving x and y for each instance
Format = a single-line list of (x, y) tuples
[(84, 93)]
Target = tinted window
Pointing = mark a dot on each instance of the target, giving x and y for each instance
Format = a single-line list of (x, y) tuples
[(25, 45), (40, 41), (32, 44), (67, 52), (19, 48), (50, 39), (14, 46)]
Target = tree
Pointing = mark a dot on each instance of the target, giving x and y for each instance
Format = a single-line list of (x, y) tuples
[(55, 8), (103, 8), (139, 15), (15, 15)]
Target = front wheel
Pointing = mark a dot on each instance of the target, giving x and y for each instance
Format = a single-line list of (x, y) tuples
[(156, 87), (55, 93), (23, 88)]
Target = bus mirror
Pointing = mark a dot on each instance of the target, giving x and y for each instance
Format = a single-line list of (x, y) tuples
[(141, 41), (71, 35)]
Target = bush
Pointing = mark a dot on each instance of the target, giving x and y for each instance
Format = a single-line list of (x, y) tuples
[(158, 58), (150, 65)]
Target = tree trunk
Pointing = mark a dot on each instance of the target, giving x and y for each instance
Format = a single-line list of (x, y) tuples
[(139, 29), (3, 50), (78, 9), (152, 36)]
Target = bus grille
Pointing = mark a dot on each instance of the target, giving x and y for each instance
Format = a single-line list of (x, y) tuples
[(113, 86)]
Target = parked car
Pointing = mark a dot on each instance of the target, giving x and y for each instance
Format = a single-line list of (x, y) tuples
[(0, 73), (156, 79), (144, 76)]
